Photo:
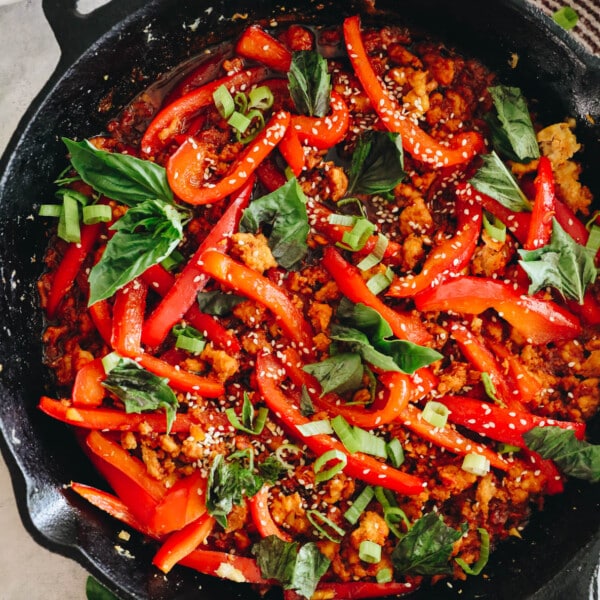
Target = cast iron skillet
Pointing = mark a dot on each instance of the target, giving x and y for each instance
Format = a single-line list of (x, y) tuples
[(560, 550)]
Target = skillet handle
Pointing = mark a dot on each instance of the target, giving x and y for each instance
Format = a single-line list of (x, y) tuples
[(76, 32)]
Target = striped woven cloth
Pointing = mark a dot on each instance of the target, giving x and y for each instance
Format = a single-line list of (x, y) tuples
[(587, 29)]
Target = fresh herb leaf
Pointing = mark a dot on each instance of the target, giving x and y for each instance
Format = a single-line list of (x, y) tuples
[(576, 458), (228, 483), (296, 568), (188, 338), (145, 235), (218, 303), (562, 264), (515, 120), (285, 211), (141, 390), (566, 17), (94, 590), (340, 373), (377, 165), (271, 469), (426, 548), (309, 83), (495, 180), (248, 423), (124, 178), (306, 405)]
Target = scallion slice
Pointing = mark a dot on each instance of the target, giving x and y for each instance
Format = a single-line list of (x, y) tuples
[(369, 443), (281, 451), (375, 257), (315, 428), (490, 388), (325, 526), (357, 237), (395, 452), (50, 210), (344, 220), (566, 17), (494, 227), (593, 243), (321, 473), (188, 338), (476, 464), (172, 261), (224, 101), (97, 213), (359, 505), (380, 281), (248, 423), (392, 513), (384, 575), (436, 414), (507, 448), (369, 552), (257, 123), (346, 434), (239, 121), (484, 554), (110, 361), (68, 222), (261, 97)]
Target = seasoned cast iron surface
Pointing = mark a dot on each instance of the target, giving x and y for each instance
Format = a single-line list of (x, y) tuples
[(560, 549)]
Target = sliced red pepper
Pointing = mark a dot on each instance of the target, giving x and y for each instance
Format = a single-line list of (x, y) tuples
[(540, 321), (256, 44), (270, 176), (185, 287), (448, 258), (180, 543), (172, 119), (419, 144), (224, 565), (251, 284), (555, 480), (109, 419), (291, 149), (70, 266), (128, 318), (158, 279), (186, 163), (501, 424), (261, 516), (355, 590), (544, 207), (589, 311), (101, 315), (360, 466), (447, 437), (353, 286), (88, 390)]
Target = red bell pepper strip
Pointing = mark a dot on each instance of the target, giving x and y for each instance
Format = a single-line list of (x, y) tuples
[(172, 119), (291, 149), (251, 284), (224, 565), (353, 286), (589, 311), (180, 543), (270, 176), (540, 321), (70, 265), (88, 390), (447, 437), (109, 419), (256, 44), (101, 315), (356, 590), (555, 480), (419, 144), (184, 289), (181, 505), (261, 516), (128, 318), (186, 163), (448, 258), (360, 466), (544, 207), (158, 279), (498, 423)]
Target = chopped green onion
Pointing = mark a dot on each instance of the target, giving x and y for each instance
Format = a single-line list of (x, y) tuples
[(476, 464), (97, 213), (369, 443), (81, 198), (383, 575), (110, 361), (248, 424), (344, 220), (319, 521), (484, 554), (281, 450), (188, 338), (357, 237), (494, 227), (257, 122), (375, 257), (68, 222), (50, 210), (261, 97), (315, 428), (223, 101), (566, 17), (358, 506), (507, 448), (490, 388), (172, 261), (346, 434), (239, 121), (395, 452), (322, 474), (241, 102), (356, 201), (380, 281), (436, 414), (369, 552), (593, 243), (392, 513)]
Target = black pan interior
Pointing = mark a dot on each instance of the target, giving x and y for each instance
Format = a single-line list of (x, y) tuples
[(124, 47)]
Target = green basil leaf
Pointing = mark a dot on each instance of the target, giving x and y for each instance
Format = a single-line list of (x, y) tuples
[(562, 264), (307, 407), (218, 303), (515, 120), (495, 180), (377, 165), (141, 390), (124, 178), (426, 548), (94, 590), (310, 83), (340, 373), (284, 210), (295, 567), (146, 234), (271, 469), (576, 458)]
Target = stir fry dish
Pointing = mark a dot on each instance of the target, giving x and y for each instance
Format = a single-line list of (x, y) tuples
[(323, 312)]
